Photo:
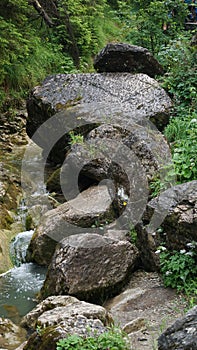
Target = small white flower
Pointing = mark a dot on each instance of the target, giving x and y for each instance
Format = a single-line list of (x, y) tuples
[(189, 253), (182, 251), (163, 248), (194, 120), (168, 273), (158, 251), (159, 230)]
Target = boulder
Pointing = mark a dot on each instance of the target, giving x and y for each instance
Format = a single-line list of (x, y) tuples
[(171, 220), (181, 335), (87, 266), (59, 316), (48, 337), (92, 207), (84, 101), (11, 335), (129, 157), (122, 57), (56, 309)]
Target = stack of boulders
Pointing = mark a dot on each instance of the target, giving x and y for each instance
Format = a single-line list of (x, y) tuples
[(119, 113)]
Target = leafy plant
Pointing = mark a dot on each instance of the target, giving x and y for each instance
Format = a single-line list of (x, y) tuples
[(113, 339), (180, 80), (133, 235), (75, 138), (164, 180), (182, 132), (179, 268)]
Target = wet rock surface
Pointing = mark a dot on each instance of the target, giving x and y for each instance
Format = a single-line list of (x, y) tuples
[(10, 335), (88, 267), (122, 57), (12, 140), (12, 129)]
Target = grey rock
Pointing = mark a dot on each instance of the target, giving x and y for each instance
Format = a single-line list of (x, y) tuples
[(61, 309), (182, 335), (76, 216), (84, 101), (126, 156), (88, 266), (11, 335), (49, 336), (170, 219), (59, 316), (122, 57), (135, 325)]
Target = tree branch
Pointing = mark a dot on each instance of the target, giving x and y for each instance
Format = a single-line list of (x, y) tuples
[(41, 11)]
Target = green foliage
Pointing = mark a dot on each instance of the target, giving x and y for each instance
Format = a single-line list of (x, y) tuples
[(179, 268), (166, 178), (30, 50), (75, 138), (26, 55), (133, 234), (144, 21), (185, 152), (84, 27), (179, 60), (113, 339)]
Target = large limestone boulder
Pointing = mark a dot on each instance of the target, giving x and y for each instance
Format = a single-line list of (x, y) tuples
[(95, 205), (90, 266), (85, 101), (129, 157), (59, 316), (11, 335), (171, 220), (48, 337), (182, 335), (56, 309), (122, 57)]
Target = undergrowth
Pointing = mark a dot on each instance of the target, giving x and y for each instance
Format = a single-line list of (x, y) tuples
[(113, 339)]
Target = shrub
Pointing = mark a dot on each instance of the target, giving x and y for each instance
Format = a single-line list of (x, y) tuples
[(179, 268), (182, 133)]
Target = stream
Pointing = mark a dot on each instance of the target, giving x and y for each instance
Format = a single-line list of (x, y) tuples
[(20, 285)]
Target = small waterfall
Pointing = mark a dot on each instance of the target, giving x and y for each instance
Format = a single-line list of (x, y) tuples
[(19, 245), (19, 286)]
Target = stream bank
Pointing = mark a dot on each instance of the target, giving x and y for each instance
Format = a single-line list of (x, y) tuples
[(13, 139), (19, 282)]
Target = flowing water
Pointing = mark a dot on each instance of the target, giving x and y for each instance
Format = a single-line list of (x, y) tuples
[(20, 285)]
